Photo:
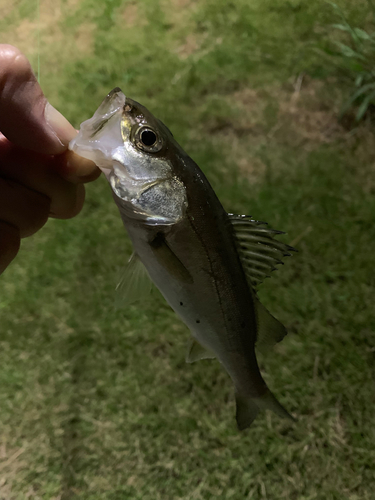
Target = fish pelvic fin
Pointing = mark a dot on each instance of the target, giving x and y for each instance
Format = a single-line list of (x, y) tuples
[(135, 283), (247, 409)]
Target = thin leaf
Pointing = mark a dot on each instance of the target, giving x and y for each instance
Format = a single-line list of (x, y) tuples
[(349, 52), (335, 6), (362, 34), (355, 67), (364, 105), (341, 27), (355, 96), (359, 80), (357, 41), (363, 89)]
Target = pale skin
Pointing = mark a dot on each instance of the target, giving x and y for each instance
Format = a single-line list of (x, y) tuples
[(39, 177)]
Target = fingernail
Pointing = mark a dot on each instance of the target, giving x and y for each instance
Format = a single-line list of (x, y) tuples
[(60, 126)]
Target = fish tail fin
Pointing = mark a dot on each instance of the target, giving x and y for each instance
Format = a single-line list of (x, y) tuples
[(246, 412), (247, 409)]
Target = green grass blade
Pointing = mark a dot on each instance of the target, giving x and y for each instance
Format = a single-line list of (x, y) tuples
[(357, 40), (341, 27), (362, 34), (359, 80), (364, 106), (355, 96), (348, 52)]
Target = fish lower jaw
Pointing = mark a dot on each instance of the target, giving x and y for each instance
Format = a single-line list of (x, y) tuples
[(99, 157)]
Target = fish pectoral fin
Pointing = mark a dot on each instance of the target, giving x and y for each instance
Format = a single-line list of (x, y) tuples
[(270, 330), (258, 250), (248, 408), (195, 352), (135, 283), (169, 260)]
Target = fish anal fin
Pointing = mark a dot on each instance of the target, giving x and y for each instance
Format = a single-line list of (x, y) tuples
[(270, 331), (169, 260), (196, 351), (135, 283)]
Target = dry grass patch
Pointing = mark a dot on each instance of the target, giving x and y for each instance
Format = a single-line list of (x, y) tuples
[(7, 8), (84, 38), (190, 46), (302, 115), (131, 16), (52, 37), (177, 12), (11, 465), (252, 169), (305, 119), (301, 118)]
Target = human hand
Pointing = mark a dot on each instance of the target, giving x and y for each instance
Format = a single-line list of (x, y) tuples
[(39, 177)]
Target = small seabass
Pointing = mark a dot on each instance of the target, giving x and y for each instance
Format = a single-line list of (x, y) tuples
[(206, 263)]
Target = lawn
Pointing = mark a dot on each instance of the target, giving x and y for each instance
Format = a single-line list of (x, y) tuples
[(96, 402)]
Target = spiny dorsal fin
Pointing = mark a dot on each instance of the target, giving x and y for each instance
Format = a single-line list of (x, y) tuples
[(134, 284), (259, 252), (195, 352)]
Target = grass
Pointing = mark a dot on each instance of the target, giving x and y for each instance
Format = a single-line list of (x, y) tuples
[(98, 403), (354, 59)]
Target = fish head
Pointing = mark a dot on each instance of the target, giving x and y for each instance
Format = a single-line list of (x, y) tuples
[(131, 147)]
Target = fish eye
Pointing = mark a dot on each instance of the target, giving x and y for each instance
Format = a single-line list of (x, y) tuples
[(148, 137), (148, 140)]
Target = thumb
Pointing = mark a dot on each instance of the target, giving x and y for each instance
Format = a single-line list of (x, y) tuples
[(26, 117)]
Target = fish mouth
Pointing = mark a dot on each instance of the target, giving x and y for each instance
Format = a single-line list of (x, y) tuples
[(100, 135), (113, 102)]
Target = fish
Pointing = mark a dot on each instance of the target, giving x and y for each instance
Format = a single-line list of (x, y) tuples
[(207, 263)]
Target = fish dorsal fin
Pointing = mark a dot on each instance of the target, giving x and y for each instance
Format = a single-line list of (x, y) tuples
[(195, 352), (259, 252), (270, 330), (135, 283)]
